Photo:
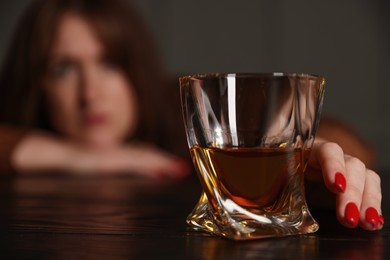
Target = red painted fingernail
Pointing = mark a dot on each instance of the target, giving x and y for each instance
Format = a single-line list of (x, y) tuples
[(372, 217), (381, 220), (352, 214), (340, 182), (183, 168)]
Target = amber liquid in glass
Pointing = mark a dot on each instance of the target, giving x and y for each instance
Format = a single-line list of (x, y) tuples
[(262, 179)]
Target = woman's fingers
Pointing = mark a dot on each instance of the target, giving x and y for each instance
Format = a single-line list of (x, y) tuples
[(357, 189), (370, 209), (154, 162), (348, 203), (328, 158), (360, 204)]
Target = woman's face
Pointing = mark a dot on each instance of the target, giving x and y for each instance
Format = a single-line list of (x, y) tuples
[(89, 99)]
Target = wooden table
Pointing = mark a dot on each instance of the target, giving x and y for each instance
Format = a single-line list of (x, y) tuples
[(91, 217)]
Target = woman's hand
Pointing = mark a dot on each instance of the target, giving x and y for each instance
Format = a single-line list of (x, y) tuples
[(140, 159), (357, 189)]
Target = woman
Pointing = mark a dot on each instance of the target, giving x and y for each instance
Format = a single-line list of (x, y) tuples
[(80, 91), (77, 48)]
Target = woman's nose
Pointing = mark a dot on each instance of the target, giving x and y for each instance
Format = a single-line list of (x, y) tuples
[(89, 86)]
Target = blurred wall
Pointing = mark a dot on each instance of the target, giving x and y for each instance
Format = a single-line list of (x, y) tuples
[(346, 41)]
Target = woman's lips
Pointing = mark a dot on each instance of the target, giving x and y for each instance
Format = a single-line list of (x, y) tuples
[(94, 120)]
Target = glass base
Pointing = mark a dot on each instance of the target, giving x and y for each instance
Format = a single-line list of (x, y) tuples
[(237, 223)]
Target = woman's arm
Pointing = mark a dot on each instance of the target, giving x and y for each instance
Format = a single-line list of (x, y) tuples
[(41, 152)]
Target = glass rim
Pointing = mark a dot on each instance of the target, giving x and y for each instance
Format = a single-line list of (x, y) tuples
[(251, 75)]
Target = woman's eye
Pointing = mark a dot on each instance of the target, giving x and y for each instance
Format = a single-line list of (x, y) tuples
[(62, 69)]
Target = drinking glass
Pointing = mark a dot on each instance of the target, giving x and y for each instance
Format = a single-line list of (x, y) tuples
[(250, 137)]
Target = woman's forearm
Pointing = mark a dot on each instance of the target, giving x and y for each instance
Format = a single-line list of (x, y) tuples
[(40, 151)]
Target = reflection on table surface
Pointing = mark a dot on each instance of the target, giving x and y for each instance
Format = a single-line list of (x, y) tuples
[(103, 217)]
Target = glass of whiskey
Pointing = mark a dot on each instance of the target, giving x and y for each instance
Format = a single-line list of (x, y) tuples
[(250, 137)]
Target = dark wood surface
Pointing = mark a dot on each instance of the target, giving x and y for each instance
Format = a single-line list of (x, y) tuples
[(90, 217)]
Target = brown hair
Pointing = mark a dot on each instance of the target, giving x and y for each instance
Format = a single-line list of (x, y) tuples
[(127, 43)]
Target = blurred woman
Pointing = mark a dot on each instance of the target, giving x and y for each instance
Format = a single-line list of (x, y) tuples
[(86, 73)]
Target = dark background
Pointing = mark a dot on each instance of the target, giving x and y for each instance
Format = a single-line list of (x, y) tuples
[(346, 41)]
